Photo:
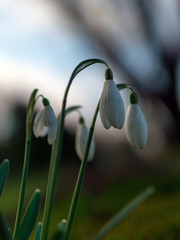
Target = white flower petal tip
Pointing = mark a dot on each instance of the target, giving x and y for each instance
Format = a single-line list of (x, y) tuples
[(136, 127), (111, 106), (81, 140), (45, 123)]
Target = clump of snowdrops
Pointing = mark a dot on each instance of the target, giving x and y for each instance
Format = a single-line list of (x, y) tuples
[(45, 123)]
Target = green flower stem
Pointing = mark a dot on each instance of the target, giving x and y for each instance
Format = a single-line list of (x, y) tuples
[(29, 122), (54, 168), (57, 150), (52, 179), (79, 182)]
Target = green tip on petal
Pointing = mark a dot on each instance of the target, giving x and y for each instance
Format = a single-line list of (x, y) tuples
[(133, 98), (108, 74), (45, 102)]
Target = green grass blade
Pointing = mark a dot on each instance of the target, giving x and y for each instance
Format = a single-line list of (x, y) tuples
[(30, 216), (4, 170), (5, 233), (125, 212), (38, 231), (29, 124), (60, 230)]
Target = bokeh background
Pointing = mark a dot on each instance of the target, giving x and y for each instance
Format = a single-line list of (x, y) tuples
[(41, 42)]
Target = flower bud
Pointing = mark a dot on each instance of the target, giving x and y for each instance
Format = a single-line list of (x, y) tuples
[(81, 141), (111, 106), (45, 123), (136, 127)]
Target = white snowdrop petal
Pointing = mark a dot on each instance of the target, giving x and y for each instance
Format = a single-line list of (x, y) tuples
[(46, 123), (38, 124), (136, 127), (102, 107), (111, 107), (91, 150), (114, 105), (77, 142), (49, 116), (43, 132), (81, 140), (52, 132)]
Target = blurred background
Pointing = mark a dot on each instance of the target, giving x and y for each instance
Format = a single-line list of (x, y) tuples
[(41, 42)]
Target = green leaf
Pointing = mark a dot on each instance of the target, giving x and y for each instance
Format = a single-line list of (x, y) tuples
[(31, 103), (125, 212), (38, 231), (60, 230), (4, 170), (29, 124), (85, 64), (30, 216), (30, 111), (5, 233)]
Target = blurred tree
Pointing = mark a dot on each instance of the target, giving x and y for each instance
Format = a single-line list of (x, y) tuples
[(140, 38)]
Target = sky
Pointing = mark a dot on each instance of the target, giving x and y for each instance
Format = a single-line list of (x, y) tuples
[(39, 48), (34, 38)]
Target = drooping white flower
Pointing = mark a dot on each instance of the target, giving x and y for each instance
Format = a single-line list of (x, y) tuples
[(136, 127), (45, 123), (81, 140), (111, 106)]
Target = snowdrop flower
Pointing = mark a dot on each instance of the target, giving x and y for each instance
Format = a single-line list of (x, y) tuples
[(45, 123), (135, 124), (111, 105), (81, 140)]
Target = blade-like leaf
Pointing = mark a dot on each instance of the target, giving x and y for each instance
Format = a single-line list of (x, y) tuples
[(29, 123), (126, 211), (30, 216), (85, 64), (4, 170), (60, 230), (30, 108), (38, 231), (5, 233)]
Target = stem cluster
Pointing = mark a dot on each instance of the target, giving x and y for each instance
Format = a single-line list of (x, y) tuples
[(25, 224)]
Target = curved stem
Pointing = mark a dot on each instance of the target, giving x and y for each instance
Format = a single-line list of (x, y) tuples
[(29, 119), (52, 179), (57, 150), (79, 181)]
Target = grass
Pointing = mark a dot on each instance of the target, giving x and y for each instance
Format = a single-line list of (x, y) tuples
[(157, 219)]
